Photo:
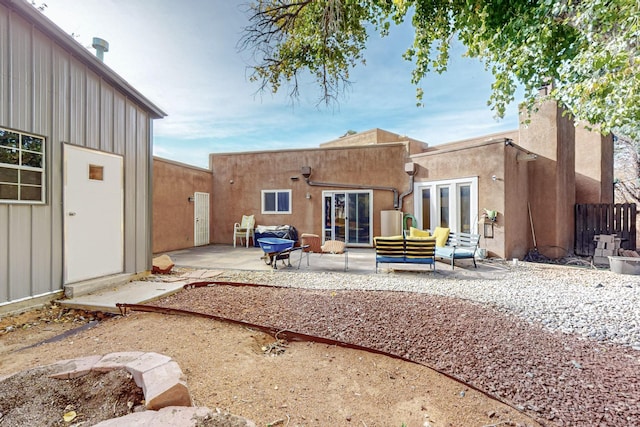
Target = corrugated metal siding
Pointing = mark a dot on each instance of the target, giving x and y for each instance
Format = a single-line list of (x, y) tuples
[(60, 131), (93, 112), (46, 90), (106, 119), (119, 123), (142, 195), (41, 238), (4, 253), (77, 95), (4, 66), (129, 189), (21, 71), (20, 235), (42, 82)]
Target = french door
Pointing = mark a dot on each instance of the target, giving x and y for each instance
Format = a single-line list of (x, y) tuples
[(347, 216), (451, 204)]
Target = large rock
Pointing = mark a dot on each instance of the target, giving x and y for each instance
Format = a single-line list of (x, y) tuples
[(162, 264)]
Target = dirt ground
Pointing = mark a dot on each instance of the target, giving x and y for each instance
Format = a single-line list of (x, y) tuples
[(241, 371)]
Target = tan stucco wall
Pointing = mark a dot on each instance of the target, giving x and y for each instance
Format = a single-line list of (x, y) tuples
[(173, 213), (482, 158), (239, 178), (594, 167), (376, 136), (517, 238)]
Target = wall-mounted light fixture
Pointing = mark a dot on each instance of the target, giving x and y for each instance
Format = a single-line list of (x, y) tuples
[(307, 196), (191, 199), (494, 178), (488, 230), (295, 178)]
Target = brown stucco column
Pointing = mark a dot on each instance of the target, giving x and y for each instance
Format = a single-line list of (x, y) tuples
[(551, 179), (594, 166)]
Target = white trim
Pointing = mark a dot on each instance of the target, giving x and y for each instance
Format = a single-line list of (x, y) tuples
[(454, 199), (43, 170), (276, 212)]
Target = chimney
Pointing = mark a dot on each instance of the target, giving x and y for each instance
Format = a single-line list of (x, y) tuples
[(101, 46)]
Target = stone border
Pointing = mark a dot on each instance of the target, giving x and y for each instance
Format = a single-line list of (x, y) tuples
[(167, 397), (159, 376)]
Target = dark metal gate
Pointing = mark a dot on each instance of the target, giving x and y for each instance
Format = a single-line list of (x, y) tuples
[(602, 218)]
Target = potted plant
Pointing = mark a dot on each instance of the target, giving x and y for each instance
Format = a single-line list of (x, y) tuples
[(491, 215)]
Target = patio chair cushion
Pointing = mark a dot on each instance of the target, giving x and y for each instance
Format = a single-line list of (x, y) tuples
[(333, 247), (416, 232), (441, 234)]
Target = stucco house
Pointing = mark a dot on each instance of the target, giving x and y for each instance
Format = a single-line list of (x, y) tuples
[(75, 163), (349, 188), (365, 184)]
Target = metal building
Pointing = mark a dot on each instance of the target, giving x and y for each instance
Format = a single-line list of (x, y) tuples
[(75, 162)]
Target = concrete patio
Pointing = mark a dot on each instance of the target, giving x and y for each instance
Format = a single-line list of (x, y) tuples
[(207, 262)]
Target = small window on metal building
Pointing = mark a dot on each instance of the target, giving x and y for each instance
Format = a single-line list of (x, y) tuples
[(22, 167), (96, 173)]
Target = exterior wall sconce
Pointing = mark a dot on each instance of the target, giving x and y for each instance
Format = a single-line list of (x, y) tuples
[(295, 178), (191, 199), (488, 230), (307, 196)]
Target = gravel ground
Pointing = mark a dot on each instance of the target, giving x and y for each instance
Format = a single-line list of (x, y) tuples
[(597, 304), (561, 344)]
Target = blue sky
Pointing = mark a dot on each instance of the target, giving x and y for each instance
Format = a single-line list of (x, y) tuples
[(183, 56)]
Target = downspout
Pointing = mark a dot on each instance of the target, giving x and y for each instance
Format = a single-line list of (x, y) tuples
[(410, 169)]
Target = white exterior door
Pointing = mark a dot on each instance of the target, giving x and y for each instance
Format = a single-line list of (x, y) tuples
[(93, 214), (201, 219)]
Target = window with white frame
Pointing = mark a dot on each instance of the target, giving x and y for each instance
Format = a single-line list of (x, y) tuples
[(276, 201), (22, 167), (450, 204)]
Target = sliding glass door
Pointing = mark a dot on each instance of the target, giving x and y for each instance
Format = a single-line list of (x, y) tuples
[(347, 216)]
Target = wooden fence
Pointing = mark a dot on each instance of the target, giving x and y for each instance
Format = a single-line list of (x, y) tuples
[(595, 219)]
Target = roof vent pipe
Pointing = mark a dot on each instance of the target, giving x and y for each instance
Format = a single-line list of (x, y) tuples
[(101, 46)]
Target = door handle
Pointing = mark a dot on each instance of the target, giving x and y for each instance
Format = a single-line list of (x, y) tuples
[(72, 214)]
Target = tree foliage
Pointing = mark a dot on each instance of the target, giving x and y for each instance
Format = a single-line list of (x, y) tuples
[(627, 169), (588, 50)]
